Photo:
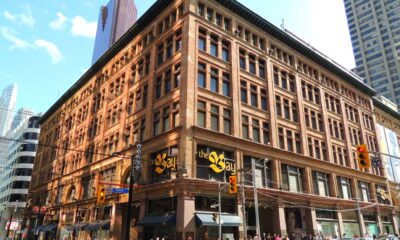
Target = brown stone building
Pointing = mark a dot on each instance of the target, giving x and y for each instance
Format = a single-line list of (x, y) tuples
[(207, 86)]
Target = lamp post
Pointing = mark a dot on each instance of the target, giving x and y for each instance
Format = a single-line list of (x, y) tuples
[(253, 170)]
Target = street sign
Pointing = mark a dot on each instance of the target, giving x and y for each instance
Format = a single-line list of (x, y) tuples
[(119, 190)]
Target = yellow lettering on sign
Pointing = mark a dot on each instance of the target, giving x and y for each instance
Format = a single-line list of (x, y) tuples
[(217, 162), (163, 162)]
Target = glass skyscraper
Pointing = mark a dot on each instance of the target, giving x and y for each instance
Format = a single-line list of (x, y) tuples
[(114, 20), (375, 35), (7, 107)]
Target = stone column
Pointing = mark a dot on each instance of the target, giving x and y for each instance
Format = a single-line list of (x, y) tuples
[(312, 225), (279, 220), (395, 223), (185, 219), (340, 223)]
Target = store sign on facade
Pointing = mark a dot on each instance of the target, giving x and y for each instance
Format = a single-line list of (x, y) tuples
[(218, 163), (164, 162)]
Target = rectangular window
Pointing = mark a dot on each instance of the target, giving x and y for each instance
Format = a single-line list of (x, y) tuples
[(156, 124), (256, 130), (225, 50), (261, 69), (226, 84), (158, 87), (242, 59), (201, 75), (177, 75), (252, 64), (266, 137), (214, 45), (292, 178), (243, 91), (201, 114), (321, 184), (227, 121), (344, 188), (214, 117), (202, 40), (253, 96), (245, 127), (160, 54), (264, 103), (167, 82), (166, 121), (214, 80), (176, 114)]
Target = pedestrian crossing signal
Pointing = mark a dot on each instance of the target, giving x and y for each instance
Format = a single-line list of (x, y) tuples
[(232, 184), (363, 156), (101, 194)]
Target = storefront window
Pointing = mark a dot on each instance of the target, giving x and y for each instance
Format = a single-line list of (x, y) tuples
[(327, 223), (263, 172), (214, 164), (292, 178), (163, 163)]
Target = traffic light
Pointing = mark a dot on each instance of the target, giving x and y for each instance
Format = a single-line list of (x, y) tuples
[(101, 194), (215, 217), (232, 184), (363, 156)]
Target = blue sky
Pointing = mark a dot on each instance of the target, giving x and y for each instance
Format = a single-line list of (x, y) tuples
[(45, 46)]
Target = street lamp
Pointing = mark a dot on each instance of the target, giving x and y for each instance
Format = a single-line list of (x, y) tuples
[(253, 171)]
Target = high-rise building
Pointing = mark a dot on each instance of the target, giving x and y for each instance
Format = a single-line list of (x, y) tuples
[(16, 174), (20, 117), (7, 107), (211, 91), (375, 35), (114, 20)]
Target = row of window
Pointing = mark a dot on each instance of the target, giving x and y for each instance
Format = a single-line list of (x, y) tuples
[(252, 63), (165, 118), (256, 94), (214, 79), (214, 45)]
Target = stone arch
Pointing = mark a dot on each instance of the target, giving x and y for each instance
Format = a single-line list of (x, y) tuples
[(70, 194), (125, 174)]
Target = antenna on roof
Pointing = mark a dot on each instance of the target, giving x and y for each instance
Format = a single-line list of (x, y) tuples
[(283, 24)]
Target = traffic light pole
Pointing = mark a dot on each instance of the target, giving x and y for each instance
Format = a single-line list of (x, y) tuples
[(253, 170), (219, 211), (135, 167), (243, 206)]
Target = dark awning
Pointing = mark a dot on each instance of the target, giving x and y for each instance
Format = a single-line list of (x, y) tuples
[(102, 225), (227, 220), (48, 228), (158, 220), (80, 226)]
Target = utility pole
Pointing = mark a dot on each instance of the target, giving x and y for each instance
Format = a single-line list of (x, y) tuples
[(243, 206), (135, 167), (219, 211), (253, 170)]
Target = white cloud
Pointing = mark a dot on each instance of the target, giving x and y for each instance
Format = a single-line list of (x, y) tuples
[(25, 19), (81, 27), (9, 35), (9, 16), (59, 23), (51, 49)]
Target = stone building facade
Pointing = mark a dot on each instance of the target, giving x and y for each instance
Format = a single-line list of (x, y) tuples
[(207, 87)]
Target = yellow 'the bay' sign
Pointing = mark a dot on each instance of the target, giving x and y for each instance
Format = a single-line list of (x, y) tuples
[(218, 163), (164, 162)]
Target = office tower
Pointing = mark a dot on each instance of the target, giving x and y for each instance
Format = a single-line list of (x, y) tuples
[(7, 107), (114, 20), (375, 35), (16, 173), (21, 115)]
